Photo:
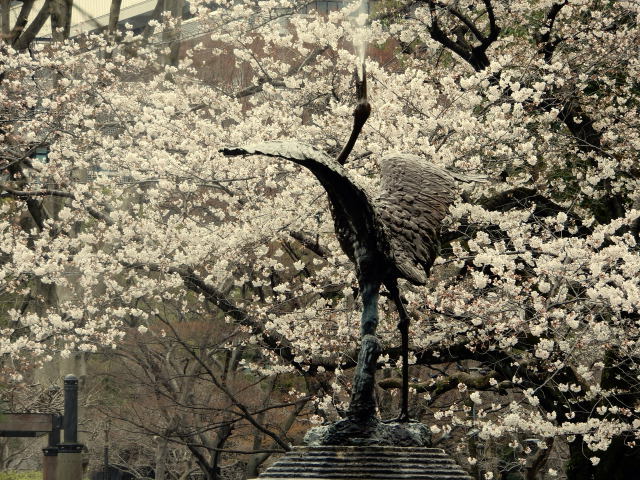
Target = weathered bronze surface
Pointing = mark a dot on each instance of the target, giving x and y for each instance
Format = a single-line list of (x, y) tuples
[(395, 235)]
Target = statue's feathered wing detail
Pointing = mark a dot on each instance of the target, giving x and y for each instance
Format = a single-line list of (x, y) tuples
[(414, 200), (400, 228), (357, 228)]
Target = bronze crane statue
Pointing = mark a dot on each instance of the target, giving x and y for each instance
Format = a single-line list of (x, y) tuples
[(395, 235)]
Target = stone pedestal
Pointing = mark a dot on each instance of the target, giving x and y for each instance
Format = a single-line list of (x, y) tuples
[(365, 463), (69, 462)]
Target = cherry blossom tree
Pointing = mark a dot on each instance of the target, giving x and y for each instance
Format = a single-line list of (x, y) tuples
[(537, 285)]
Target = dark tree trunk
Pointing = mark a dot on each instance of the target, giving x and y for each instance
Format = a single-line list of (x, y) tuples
[(61, 19), (22, 37), (114, 16), (619, 462), (4, 14)]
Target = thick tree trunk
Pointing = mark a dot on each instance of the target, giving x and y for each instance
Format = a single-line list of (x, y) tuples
[(534, 472), (255, 460), (162, 450), (176, 7), (114, 16), (21, 21), (61, 19), (22, 37), (155, 15), (4, 18), (619, 462)]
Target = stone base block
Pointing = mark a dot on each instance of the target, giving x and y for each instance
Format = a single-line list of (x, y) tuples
[(365, 463)]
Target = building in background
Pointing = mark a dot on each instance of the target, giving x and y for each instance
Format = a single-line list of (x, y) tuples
[(92, 15)]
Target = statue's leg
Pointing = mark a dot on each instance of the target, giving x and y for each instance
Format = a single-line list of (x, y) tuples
[(369, 319), (363, 404), (403, 326)]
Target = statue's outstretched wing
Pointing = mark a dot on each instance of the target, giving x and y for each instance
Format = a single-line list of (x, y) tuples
[(296, 151), (414, 200), (331, 174), (355, 222)]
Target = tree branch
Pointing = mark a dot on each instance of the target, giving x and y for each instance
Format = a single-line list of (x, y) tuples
[(475, 56), (252, 90), (546, 45), (439, 36), (239, 405), (450, 382), (464, 19), (520, 198), (309, 243), (493, 25), (114, 16), (29, 194), (276, 343), (36, 193)]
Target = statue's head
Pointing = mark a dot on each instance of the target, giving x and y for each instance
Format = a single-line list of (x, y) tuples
[(363, 108)]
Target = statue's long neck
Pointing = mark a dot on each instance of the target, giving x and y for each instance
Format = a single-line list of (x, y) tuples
[(360, 115), (358, 123)]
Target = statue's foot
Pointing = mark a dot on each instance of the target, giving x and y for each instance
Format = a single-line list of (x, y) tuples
[(373, 432), (402, 418)]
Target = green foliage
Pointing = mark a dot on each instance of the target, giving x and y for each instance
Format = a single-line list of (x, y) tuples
[(31, 475)]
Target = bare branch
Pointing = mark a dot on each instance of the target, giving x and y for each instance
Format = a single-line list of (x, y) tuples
[(439, 36), (464, 19), (276, 343), (36, 193), (475, 56), (29, 194), (239, 405), (494, 29), (546, 45), (311, 244)]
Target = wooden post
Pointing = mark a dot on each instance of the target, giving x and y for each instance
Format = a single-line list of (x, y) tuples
[(50, 460), (70, 451), (30, 425), (50, 463)]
